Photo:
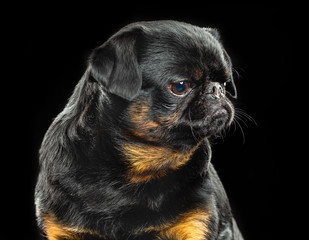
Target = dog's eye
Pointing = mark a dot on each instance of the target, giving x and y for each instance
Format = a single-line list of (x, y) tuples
[(180, 88)]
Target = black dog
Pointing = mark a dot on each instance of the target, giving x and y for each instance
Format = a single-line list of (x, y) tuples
[(129, 157)]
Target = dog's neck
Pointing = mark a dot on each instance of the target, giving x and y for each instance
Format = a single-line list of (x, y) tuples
[(147, 162)]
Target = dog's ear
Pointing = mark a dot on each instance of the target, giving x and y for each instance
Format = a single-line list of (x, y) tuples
[(214, 32), (115, 63)]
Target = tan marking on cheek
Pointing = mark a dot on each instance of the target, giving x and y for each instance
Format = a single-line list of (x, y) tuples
[(139, 112), (170, 120), (147, 162), (142, 125)]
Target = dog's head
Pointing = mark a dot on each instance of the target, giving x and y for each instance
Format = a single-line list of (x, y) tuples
[(173, 78)]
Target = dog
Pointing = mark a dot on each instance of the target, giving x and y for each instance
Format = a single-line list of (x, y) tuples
[(129, 156)]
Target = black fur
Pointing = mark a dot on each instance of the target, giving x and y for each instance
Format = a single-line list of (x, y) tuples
[(84, 180)]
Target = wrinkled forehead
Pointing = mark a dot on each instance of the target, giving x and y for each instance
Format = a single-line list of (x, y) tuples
[(174, 54)]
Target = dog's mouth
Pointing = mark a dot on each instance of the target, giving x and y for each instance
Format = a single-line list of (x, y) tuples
[(225, 114), (190, 131), (210, 120), (216, 122)]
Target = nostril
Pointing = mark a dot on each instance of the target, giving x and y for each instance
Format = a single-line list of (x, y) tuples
[(214, 89), (221, 89)]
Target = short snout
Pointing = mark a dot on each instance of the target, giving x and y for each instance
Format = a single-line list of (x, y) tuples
[(214, 90)]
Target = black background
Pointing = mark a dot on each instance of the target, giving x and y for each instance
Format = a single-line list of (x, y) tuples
[(51, 46)]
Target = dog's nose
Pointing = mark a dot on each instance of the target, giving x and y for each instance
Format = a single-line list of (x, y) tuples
[(214, 90)]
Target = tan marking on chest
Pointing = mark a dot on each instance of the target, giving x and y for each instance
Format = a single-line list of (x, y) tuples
[(192, 225), (57, 231), (147, 162)]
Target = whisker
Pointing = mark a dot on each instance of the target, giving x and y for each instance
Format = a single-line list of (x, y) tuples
[(191, 128), (242, 131), (241, 112), (241, 120), (236, 73), (238, 117)]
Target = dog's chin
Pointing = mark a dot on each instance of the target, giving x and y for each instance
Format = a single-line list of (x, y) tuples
[(192, 132), (213, 123), (210, 117)]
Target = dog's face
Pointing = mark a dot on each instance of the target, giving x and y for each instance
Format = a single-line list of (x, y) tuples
[(173, 78)]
